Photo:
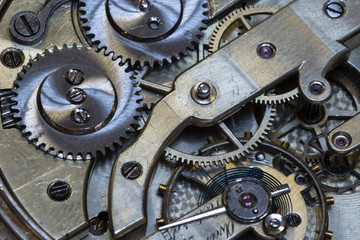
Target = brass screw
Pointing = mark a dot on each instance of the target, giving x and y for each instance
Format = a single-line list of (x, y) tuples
[(248, 134), (330, 201), (328, 235), (285, 145), (162, 189), (160, 222), (315, 168)]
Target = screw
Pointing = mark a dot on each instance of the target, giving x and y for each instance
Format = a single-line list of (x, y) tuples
[(131, 170), (274, 223), (144, 5), (80, 115), (160, 222), (300, 179), (238, 189), (27, 25), (316, 88), (266, 50), (76, 96), (255, 211), (260, 156), (293, 220), (203, 90), (75, 77), (154, 23), (334, 9), (59, 191), (97, 226), (12, 57), (341, 141)]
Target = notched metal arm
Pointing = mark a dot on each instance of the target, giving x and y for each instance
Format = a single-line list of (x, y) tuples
[(346, 137)]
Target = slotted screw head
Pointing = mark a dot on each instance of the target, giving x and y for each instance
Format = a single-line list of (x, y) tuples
[(76, 96), (12, 57), (97, 226), (80, 116), (27, 25), (131, 170), (74, 77), (59, 191), (334, 9)]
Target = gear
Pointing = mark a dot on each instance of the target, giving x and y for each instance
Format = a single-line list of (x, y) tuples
[(306, 126), (73, 102), (227, 30), (7, 115), (242, 15), (173, 152), (147, 32), (191, 186)]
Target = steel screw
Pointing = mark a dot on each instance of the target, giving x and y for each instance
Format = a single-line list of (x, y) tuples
[(59, 191), (98, 225), (293, 220), (341, 141), (274, 223), (334, 9), (80, 115), (154, 23), (131, 170), (144, 5), (255, 211), (266, 50), (203, 90), (260, 156), (75, 77), (300, 179), (12, 57), (76, 96), (27, 25), (317, 88)]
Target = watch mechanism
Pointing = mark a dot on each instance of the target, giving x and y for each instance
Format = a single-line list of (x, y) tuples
[(191, 120)]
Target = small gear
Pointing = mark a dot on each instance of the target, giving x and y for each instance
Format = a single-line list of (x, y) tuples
[(172, 152), (306, 126), (226, 31), (75, 101), (144, 32)]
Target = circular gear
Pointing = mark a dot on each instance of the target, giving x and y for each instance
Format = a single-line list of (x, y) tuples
[(144, 32), (73, 102), (306, 126), (240, 16), (173, 152), (191, 186), (238, 22)]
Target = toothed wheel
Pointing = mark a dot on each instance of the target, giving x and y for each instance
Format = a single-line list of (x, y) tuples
[(73, 102), (144, 31), (233, 128), (238, 22)]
